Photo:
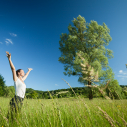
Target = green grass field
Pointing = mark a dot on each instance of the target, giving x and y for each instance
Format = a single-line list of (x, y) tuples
[(66, 112)]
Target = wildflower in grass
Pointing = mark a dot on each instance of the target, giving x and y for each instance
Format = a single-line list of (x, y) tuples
[(119, 107)]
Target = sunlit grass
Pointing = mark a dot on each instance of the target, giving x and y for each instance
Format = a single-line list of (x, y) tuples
[(67, 112)]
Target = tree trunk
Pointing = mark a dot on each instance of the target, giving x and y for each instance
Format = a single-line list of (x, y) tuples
[(90, 91)]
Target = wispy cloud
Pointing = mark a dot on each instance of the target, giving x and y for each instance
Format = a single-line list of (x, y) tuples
[(1, 43), (121, 71), (122, 74), (8, 41), (12, 34), (56, 85)]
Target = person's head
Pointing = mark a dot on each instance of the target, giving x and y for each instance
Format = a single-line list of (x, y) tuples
[(20, 72)]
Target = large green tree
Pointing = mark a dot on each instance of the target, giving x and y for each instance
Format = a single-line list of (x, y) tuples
[(2, 86), (89, 40)]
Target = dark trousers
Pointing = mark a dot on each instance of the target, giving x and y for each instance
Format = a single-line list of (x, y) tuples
[(15, 106)]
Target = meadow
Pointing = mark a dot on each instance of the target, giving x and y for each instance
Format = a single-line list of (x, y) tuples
[(66, 112)]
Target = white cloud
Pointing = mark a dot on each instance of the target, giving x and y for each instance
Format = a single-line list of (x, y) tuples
[(120, 71), (122, 74), (12, 34), (56, 85), (1, 43), (8, 41)]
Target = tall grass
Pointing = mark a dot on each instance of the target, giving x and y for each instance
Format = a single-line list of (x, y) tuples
[(66, 112)]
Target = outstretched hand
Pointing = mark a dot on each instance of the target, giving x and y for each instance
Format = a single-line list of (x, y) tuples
[(29, 69), (8, 55)]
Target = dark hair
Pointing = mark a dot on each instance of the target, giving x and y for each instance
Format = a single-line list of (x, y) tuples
[(18, 71)]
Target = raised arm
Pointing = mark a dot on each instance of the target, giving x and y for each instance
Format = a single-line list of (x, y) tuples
[(12, 66), (29, 69)]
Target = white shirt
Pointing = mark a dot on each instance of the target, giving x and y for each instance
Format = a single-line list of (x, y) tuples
[(20, 88)]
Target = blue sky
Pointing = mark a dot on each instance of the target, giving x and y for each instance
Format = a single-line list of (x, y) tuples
[(30, 31)]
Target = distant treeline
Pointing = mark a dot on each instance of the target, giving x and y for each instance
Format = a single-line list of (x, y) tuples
[(61, 93), (66, 93), (113, 91), (123, 86)]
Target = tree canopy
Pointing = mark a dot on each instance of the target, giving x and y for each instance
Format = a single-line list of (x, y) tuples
[(89, 40)]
